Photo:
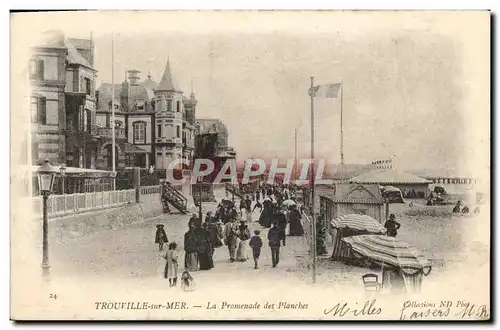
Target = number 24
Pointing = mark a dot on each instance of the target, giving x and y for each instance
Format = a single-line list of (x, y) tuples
[(52, 296)]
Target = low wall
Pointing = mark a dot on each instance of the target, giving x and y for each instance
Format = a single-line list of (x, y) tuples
[(150, 201), (85, 224)]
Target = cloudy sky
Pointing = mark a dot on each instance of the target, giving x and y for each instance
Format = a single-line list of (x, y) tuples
[(406, 80)]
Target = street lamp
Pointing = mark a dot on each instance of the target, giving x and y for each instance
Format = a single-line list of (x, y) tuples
[(62, 170), (46, 177)]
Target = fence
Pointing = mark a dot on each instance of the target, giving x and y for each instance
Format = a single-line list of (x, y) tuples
[(59, 205), (149, 190)]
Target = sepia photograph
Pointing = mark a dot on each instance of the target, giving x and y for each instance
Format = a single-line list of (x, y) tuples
[(250, 165)]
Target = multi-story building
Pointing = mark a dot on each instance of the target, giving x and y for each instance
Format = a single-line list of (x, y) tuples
[(63, 101), (47, 73), (81, 133), (212, 142), (154, 122)]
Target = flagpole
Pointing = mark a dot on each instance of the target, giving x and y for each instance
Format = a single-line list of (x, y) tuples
[(295, 160), (341, 133), (113, 142), (312, 186)]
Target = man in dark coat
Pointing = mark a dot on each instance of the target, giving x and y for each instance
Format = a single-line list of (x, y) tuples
[(392, 226), (248, 204), (274, 237), (281, 222)]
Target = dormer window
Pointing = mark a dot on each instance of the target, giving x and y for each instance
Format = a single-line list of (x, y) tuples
[(140, 105)]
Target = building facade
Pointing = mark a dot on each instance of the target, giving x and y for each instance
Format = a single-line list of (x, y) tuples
[(154, 122), (81, 133), (47, 73), (212, 142)]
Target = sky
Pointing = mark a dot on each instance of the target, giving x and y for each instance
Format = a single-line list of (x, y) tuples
[(406, 85)]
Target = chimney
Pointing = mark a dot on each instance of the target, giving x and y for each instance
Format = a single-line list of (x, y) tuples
[(134, 77)]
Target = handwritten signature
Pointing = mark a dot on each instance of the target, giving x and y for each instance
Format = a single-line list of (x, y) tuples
[(343, 309)]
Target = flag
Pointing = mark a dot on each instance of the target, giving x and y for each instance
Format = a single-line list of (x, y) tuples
[(326, 91)]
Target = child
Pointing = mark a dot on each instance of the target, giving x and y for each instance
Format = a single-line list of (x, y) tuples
[(187, 282), (172, 264), (161, 237), (256, 245)]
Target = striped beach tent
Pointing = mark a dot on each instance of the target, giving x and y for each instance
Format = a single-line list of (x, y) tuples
[(350, 225), (359, 222), (389, 251), (396, 258)]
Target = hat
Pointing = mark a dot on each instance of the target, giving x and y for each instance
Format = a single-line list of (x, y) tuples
[(392, 216), (256, 232), (159, 226)]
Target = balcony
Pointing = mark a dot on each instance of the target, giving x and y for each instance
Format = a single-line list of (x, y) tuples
[(106, 132)]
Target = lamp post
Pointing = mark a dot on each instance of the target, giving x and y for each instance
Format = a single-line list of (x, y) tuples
[(62, 170), (46, 177)]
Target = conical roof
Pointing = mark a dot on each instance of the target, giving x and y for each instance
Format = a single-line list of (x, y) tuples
[(166, 84)]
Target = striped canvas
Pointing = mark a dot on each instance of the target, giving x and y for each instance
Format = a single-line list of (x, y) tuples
[(388, 250), (358, 222)]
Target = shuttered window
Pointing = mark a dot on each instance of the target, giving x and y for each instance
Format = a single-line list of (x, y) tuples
[(38, 108)]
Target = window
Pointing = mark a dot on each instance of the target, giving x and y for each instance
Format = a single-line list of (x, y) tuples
[(178, 131), (37, 69), (82, 120), (88, 120), (153, 104), (140, 105), (178, 106), (38, 110), (87, 86), (169, 104), (139, 132), (159, 130)]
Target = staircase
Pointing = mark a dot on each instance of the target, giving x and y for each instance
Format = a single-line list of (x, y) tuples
[(171, 196)]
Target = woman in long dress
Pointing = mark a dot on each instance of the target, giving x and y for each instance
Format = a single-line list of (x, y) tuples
[(266, 214), (171, 266), (296, 228), (191, 254), (205, 248), (244, 236)]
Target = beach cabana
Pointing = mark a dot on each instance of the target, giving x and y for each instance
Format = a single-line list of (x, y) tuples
[(341, 199), (351, 225), (396, 258)]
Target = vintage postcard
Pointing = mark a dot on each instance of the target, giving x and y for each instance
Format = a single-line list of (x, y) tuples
[(247, 165)]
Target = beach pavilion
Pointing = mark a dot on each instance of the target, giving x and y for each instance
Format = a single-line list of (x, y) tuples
[(406, 182)]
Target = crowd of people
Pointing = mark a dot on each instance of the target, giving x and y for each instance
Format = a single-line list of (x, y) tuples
[(229, 226)]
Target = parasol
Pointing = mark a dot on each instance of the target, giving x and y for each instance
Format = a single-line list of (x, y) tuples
[(289, 202), (358, 222), (387, 250)]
